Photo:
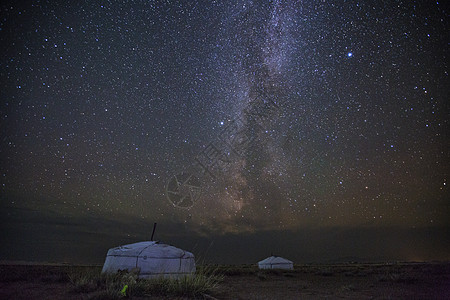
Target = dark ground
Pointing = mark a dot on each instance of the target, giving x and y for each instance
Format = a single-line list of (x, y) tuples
[(349, 281)]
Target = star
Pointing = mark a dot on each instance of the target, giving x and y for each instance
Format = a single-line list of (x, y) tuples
[(103, 105)]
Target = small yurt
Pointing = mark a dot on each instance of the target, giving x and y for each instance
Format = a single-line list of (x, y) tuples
[(150, 259), (276, 262)]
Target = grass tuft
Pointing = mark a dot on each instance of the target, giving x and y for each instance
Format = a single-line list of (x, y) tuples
[(85, 281), (110, 286)]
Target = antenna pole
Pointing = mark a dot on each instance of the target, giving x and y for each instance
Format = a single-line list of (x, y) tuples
[(154, 228)]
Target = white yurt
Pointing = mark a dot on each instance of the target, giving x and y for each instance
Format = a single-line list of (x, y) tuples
[(151, 259), (276, 262)]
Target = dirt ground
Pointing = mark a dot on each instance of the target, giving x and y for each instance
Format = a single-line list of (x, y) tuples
[(410, 281), (352, 281)]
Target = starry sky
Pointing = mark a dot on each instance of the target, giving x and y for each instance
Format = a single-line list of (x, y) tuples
[(232, 124)]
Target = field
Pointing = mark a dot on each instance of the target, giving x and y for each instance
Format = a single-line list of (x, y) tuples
[(346, 281)]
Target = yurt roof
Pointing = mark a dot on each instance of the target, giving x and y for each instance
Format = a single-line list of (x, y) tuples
[(275, 260), (150, 249)]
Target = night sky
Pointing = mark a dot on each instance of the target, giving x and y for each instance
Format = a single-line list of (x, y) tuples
[(314, 129)]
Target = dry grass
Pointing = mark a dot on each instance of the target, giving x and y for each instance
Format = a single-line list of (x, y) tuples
[(114, 286), (229, 270)]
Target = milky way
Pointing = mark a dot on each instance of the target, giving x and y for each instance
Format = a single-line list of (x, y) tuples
[(315, 114)]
